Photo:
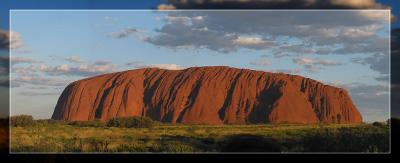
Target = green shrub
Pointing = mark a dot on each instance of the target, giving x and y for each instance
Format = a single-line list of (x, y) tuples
[(379, 124), (21, 121), (93, 123), (131, 122)]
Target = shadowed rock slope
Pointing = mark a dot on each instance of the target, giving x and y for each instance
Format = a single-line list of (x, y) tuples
[(206, 95)]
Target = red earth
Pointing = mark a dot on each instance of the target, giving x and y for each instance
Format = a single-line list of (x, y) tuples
[(206, 95)]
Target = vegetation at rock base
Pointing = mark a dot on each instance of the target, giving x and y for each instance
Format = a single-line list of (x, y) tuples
[(21, 121), (131, 122), (131, 135)]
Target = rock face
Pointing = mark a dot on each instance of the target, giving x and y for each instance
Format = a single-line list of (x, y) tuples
[(206, 95)]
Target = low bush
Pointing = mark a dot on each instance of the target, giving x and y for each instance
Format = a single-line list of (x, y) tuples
[(50, 122), (131, 122), (21, 121), (93, 123), (378, 124)]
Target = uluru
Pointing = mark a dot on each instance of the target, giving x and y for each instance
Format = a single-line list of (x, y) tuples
[(206, 95)]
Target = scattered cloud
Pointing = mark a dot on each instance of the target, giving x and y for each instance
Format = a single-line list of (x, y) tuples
[(311, 61), (140, 64), (96, 68), (162, 66), (287, 71), (37, 81), (312, 68), (311, 64), (378, 62), (124, 33), (134, 63), (249, 40), (261, 62), (276, 4), (19, 60), (5, 63), (81, 70), (371, 97), (331, 33), (74, 59)]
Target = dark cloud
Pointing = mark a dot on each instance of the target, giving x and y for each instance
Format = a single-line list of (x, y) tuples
[(273, 4), (124, 33), (37, 81), (102, 63), (4, 39), (371, 99), (10, 40), (4, 83), (312, 68), (134, 63), (395, 73), (179, 34), (349, 32)]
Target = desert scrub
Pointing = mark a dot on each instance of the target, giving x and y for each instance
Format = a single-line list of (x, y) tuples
[(55, 137), (92, 123), (21, 121), (131, 122), (177, 146), (352, 139)]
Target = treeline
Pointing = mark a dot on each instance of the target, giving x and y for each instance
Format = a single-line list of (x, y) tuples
[(122, 122)]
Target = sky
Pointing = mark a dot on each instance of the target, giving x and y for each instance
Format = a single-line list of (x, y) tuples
[(376, 63), (347, 49)]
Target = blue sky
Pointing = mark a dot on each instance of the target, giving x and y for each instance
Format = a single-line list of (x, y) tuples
[(365, 61), (53, 48), (6, 5)]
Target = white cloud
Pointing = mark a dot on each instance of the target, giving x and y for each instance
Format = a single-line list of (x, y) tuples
[(243, 40), (162, 66), (310, 61), (96, 68), (360, 32)]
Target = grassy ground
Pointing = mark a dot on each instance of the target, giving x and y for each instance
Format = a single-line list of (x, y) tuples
[(201, 138)]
